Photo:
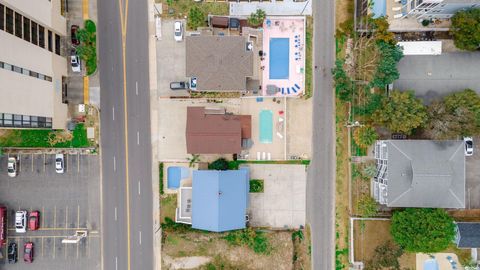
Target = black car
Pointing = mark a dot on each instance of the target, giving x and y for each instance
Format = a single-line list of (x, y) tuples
[(12, 253)]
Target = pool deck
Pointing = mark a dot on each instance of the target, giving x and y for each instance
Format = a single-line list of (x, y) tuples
[(441, 259), (285, 27)]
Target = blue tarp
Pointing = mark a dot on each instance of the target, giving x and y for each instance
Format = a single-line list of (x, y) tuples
[(379, 8), (219, 200)]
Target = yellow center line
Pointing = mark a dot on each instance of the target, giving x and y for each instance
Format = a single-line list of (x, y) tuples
[(123, 22)]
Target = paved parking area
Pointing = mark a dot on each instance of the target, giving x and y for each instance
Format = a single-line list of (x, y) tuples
[(67, 202), (283, 202), (436, 76), (170, 61), (472, 170)]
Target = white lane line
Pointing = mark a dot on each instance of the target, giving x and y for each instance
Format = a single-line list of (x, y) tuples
[(114, 164), (116, 214), (113, 113), (116, 262), (140, 237), (138, 187), (138, 138), (136, 88)]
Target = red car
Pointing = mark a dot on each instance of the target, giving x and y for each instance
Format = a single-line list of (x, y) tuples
[(28, 252), (73, 33), (33, 220)]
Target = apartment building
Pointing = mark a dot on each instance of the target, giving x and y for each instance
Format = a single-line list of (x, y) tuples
[(32, 65)]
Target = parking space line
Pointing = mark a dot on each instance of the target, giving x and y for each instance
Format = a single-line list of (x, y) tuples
[(136, 88), (54, 248), (78, 222), (42, 247), (78, 163), (138, 187), (114, 164), (20, 162), (32, 162), (138, 138), (44, 162)]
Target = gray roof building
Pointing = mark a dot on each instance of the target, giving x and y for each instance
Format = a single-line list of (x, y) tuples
[(420, 173), (468, 235), (220, 63)]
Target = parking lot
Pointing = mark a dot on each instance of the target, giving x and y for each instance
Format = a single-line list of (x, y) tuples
[(472, 175), (67, 202)]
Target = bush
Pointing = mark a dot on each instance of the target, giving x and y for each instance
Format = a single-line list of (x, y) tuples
[(256, 185), (87, 50), (196, 18), (422, 229), (466, 29), (255, 240), (367, 206), (171, 226), (365, 136), (160, 172), (220, 164), (257, 17), (425, 22), (343, 84), (387, 71), (385, 257)]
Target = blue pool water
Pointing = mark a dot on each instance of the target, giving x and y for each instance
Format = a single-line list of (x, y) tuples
[(430, 264), (279, 58), (175, 175), (266, 126)]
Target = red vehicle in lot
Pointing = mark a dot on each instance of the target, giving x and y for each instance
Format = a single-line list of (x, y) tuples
[(73, 33), (33, 220), (28, 252)]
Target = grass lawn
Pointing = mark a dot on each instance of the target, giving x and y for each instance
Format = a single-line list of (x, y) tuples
[(308, 58), (181, 8), (168, 206), (45, 138)]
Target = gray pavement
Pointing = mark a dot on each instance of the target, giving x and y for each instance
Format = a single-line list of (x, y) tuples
[(433, 77), (125, 146), (321, 173), (472, 175), (67, 202)]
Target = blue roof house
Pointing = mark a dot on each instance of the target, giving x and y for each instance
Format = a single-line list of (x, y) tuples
[(220, 199)]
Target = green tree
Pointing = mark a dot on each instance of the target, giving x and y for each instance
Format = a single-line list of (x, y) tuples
[(381, 31), (387, 71), (257, 17), (422, 229), (196, 18), (385, 257), (220, 164), (465, 107), (401, 112), (343, 84), (442, 124), (466, 29), (365, 136)]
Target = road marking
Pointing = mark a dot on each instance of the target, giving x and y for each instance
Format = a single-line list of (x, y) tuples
[(55, 216), (116, 263), (140, 237), (136, 88), (32, 162), (20, 161), (113, 112), (138, 138), (54, 249), (114, 164), (42, 246), (66, 228), (116, 213), (138, 187), (78, 222), (44, 163)]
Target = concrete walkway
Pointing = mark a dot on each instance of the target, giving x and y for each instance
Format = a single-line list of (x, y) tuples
[(284, 8)]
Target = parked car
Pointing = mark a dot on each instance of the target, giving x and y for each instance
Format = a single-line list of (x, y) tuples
[(28, 252), (12, 167), (12, 253), (73, 33), (75, 61), (179, 85), (33, 220), (59, 163), (21, 221), (468, 146), (178, 33)]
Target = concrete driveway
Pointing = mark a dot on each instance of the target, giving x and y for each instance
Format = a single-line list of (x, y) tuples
[(170, 60), (435, 76), (283, 202), (472, 171)]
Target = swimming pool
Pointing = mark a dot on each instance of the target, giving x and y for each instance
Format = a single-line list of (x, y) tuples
[(266, 126), (279, 58), (175, 175)]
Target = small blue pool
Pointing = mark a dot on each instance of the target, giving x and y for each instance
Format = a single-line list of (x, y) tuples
[(175, 175), (266, 126), (430, 264), (279, 58)]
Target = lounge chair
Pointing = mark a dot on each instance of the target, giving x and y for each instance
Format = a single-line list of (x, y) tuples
[(258, 155), (295, 91), (396, 8), (283, 91), (288, 90), (298, 87)]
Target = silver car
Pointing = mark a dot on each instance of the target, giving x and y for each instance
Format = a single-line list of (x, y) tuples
[(59, 163), (12, 167), (178, 33)]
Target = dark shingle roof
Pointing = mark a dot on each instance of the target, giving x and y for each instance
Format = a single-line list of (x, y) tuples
[(220, 63), (468, 235)]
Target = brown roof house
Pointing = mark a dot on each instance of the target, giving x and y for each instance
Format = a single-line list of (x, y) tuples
[(220, 63), (215, 132)]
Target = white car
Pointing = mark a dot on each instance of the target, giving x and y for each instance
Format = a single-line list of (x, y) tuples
[(21, 221), (178, 33), (59, 163), (12, 167), (468, 146), (75, 63)]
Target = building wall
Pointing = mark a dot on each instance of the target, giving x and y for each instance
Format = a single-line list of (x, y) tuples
[(443, 9), (31, 71)]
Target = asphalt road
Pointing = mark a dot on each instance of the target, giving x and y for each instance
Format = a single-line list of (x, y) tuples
[(125, 135), (321, 174)]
